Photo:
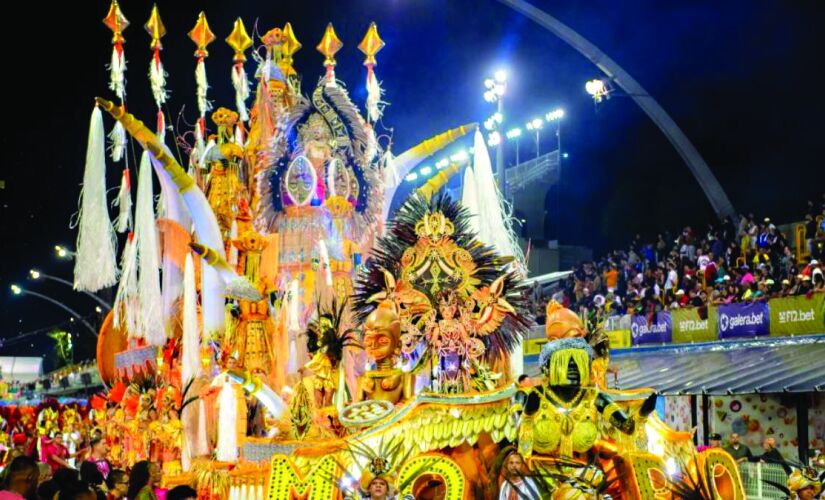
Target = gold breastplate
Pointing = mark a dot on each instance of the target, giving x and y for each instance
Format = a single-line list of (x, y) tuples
[(565, 427)]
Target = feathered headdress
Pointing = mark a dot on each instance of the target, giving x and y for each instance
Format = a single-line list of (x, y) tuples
[(436, 215)]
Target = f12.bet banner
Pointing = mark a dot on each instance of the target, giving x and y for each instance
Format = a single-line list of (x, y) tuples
[(694, 324), (744, 320), (798, 315)]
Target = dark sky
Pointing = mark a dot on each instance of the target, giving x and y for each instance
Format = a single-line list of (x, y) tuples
[(739, 77)]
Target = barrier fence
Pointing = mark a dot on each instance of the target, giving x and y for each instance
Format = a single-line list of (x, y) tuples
[(787, 316)]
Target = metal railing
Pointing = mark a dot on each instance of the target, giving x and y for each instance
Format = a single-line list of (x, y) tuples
[(754, 477)]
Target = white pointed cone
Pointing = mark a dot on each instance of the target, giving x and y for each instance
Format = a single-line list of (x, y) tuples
[(227, 446), (95, 264), (190, 357)]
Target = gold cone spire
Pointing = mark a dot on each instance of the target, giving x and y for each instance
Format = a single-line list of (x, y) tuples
[(202, 36), (239, 40), (329, 45), (154, 26), (371, 45), (116, 21), (290, 46)]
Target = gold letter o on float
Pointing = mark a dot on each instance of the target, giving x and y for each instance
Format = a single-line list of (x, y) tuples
[(438, 466)]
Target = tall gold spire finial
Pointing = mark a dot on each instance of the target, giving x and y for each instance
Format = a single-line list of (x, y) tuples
[(154, 26), (371, 45), (116, 21), (239, 40), (290, 46), (202, 35), (329, 45)]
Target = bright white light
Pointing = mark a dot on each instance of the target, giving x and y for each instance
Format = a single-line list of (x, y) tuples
[(16, 290), (489, 124), (71, 319), (442, 163), (595, 87), (459, 157), (500, 89), (98, 309), (490, 96), (411, 177), (565, 155), (535, 124), (556, 114), (498, 117), (670, 467), (500, 76), (35, 274), (514, 133), (426, 170), (494, 139), (489, 84)]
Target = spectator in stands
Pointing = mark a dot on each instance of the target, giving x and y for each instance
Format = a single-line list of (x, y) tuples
[(771, 455), (737, 450), (21, 481)]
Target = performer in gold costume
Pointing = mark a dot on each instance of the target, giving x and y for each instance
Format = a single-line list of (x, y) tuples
[(562, 417)]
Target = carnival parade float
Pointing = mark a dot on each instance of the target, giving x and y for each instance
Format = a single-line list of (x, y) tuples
[(279, 333)]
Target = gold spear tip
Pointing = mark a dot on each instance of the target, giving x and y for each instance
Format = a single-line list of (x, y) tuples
[(154, 26), (329, 45), (202, 35), (116, 21), (371, 44), (239, 40), (291, 44)]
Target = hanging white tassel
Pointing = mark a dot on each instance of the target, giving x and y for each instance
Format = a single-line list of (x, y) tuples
[(292, 327), (123, 201), (241, 84), (200, 79), (157, 79), (117, 72), (117, 138), (374, 105), (190, 357), (227, 447), (126, 309), (95, 263), (146, 235)]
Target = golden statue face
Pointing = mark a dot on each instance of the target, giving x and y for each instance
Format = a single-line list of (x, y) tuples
[(382, 334)]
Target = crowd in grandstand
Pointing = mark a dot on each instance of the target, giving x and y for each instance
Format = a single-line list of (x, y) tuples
[(747, 259)]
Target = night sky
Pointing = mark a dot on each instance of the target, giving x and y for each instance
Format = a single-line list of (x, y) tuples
[(739, 78)]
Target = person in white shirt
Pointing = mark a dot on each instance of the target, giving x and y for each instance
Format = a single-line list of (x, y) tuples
[(516, 485)]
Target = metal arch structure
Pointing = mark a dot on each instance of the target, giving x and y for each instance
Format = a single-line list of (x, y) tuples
[(700, 170)]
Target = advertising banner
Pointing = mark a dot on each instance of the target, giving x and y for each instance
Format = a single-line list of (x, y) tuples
[(694, 324), (797, 315), (744, 320), (650, 330)]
